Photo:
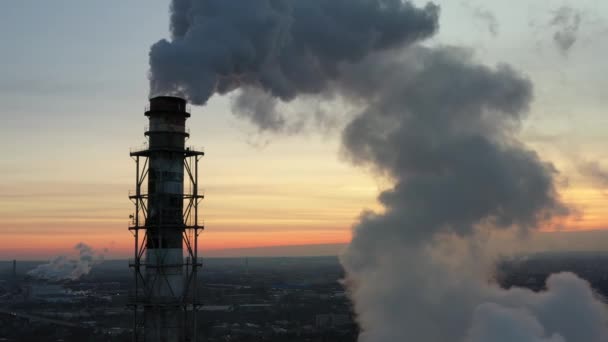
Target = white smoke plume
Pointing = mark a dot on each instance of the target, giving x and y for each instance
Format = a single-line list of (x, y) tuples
[(65, 267), (444, 128), (441, 126)]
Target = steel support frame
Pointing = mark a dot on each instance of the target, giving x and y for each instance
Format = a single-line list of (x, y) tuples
[(192, 228)]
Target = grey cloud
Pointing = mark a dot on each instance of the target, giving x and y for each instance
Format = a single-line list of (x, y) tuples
[(284, 47), (442, 130), (567, 22), (522, 315), (488, 18), (594, 172), (259, 108)]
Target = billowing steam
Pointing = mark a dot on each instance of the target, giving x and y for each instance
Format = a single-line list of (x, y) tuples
[(286, 48), (441, 126), (68, 268)]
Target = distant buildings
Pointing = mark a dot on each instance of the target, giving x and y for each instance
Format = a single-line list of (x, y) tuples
[(330, 321)]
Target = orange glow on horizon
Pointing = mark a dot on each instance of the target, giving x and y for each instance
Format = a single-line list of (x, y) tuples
[(236, 217), (122, 246)]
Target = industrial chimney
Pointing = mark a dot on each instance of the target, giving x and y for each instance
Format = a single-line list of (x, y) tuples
[(166, 227)]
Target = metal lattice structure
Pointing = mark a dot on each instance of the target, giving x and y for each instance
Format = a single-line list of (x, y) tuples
[(166, 227)]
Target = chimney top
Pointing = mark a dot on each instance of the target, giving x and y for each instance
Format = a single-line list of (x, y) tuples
[(171, 104)]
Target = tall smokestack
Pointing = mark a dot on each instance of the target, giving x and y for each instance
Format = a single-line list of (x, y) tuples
[(165, 285)]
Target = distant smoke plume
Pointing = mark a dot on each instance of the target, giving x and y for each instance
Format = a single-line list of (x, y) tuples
[(442, 127), (566, 21), (68, 268)]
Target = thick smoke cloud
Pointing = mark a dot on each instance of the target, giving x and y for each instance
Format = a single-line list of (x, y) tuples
[(180, 21), (283, 47), (567, 311), (499, 324), (442, 127), (67, 268)]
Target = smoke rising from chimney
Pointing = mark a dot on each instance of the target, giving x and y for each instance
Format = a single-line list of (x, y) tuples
[(64, 267), (443, 127), (285, 48)]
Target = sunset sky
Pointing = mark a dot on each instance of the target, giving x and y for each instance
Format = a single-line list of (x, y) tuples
[(73, 88)]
